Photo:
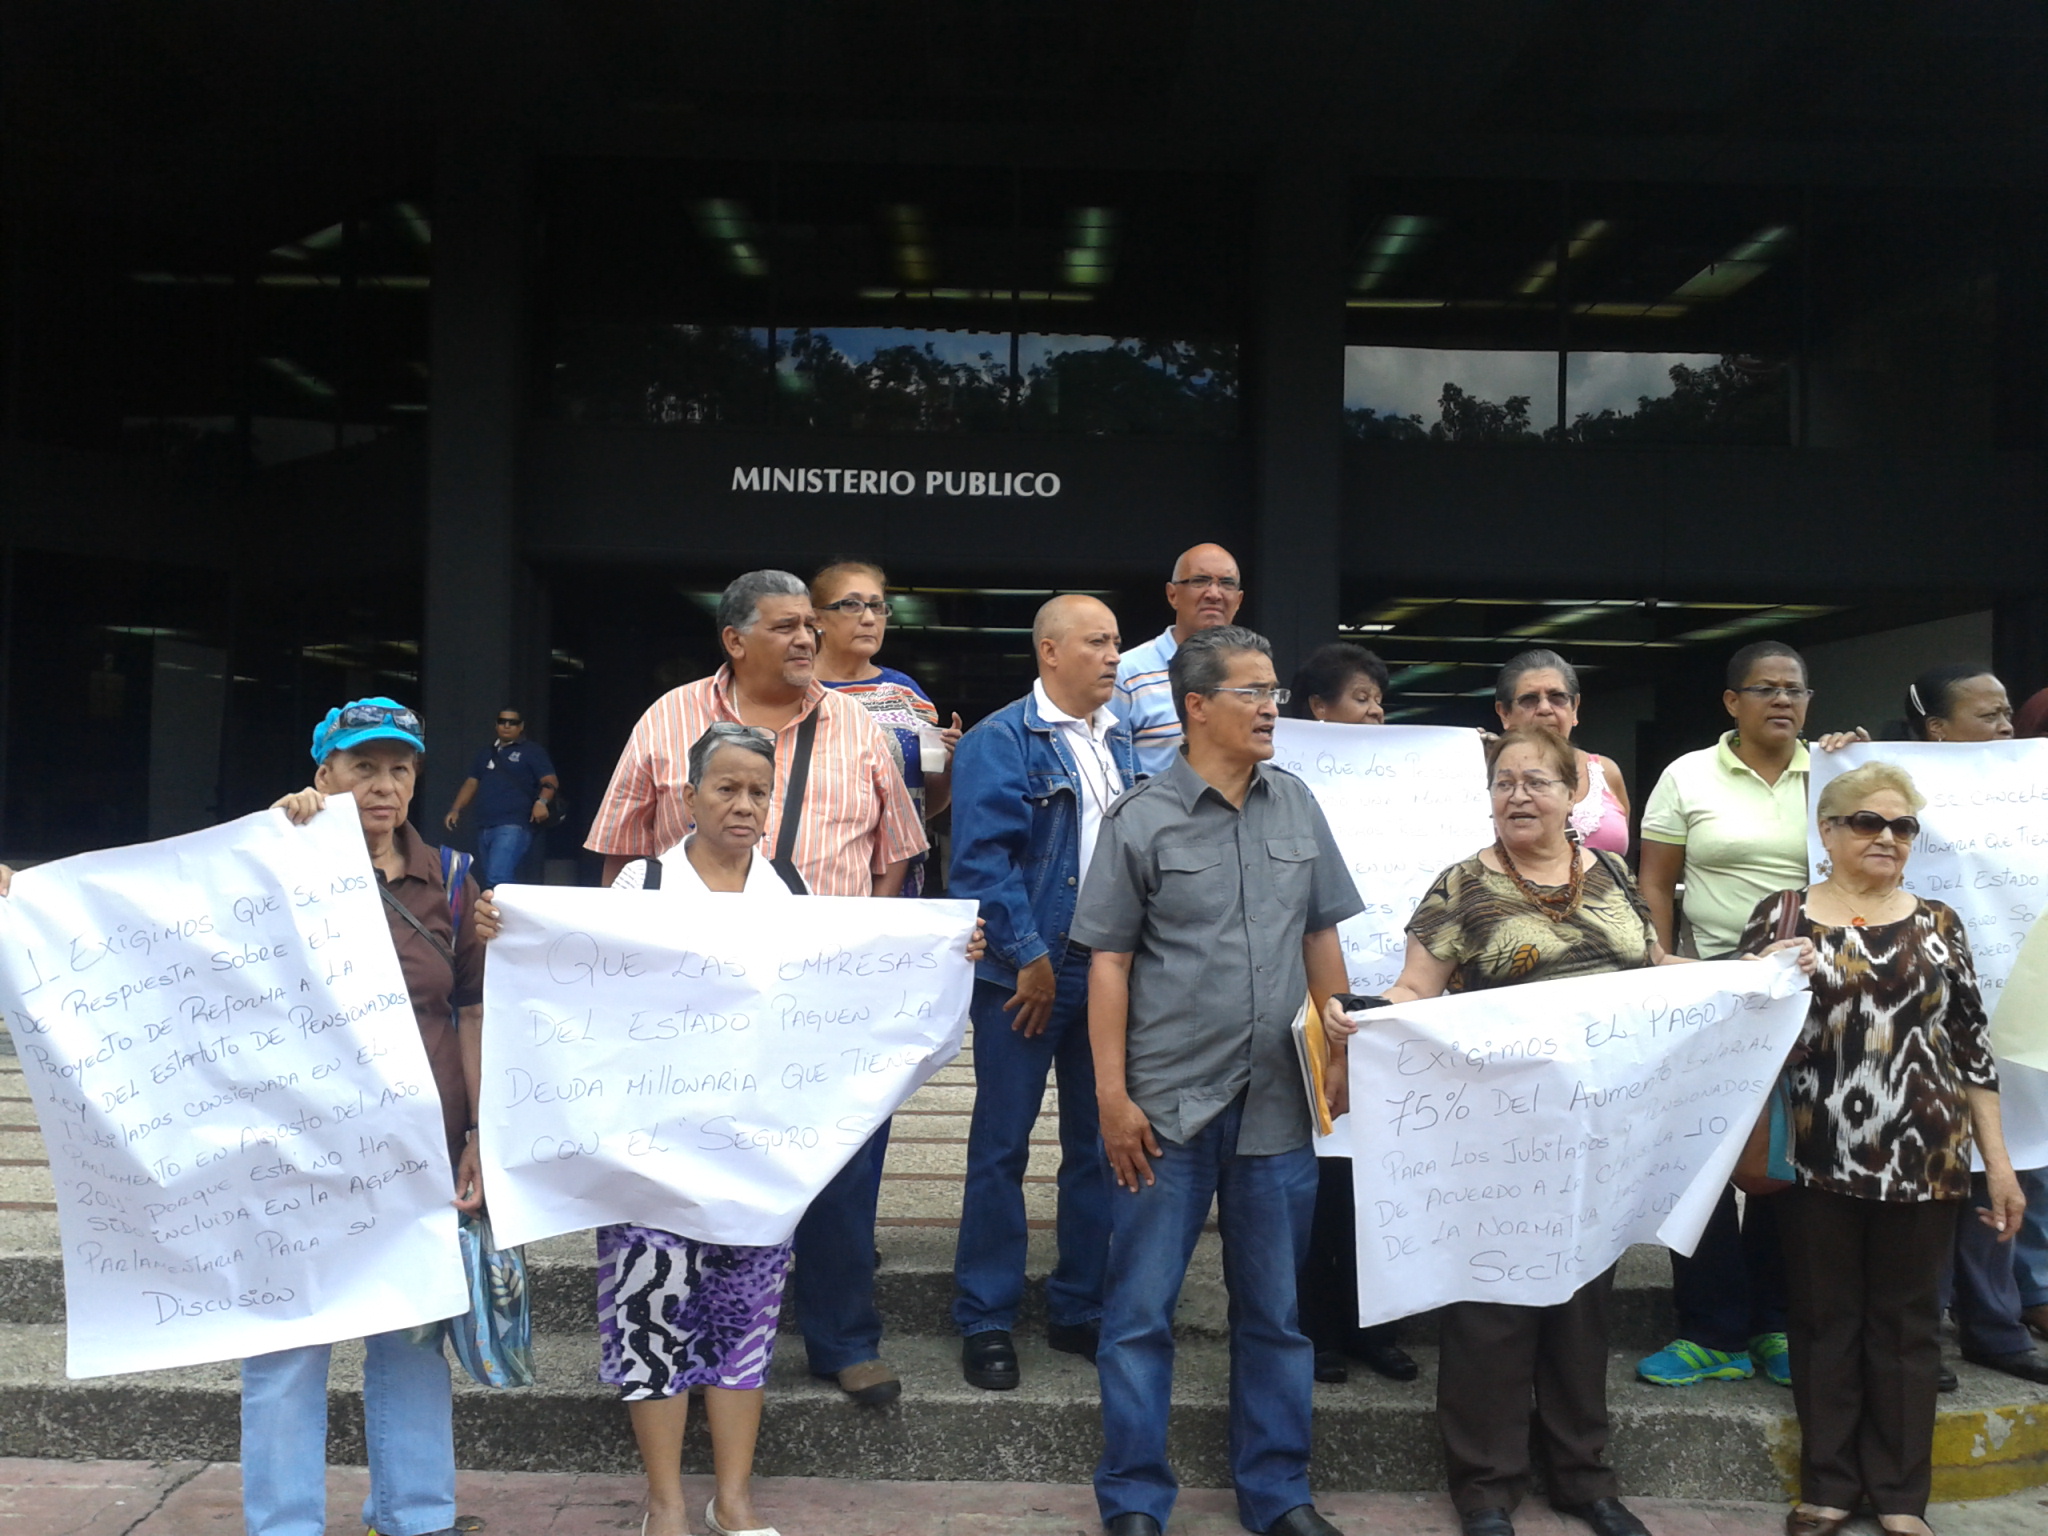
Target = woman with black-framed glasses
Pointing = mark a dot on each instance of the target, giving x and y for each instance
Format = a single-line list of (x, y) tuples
[(850, 597), (1895, 1083)]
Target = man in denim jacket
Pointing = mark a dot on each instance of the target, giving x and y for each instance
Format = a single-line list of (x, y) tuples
[(1030, 786)]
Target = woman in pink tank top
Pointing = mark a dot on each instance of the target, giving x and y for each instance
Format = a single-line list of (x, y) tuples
[(1541, 688)]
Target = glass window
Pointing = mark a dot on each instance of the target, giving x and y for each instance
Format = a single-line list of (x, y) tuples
[(1526, 312), (889, 299)]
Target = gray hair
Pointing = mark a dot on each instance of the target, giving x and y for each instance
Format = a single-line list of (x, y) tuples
[(726, 733), (1533, 661), (1843, 793), (739, 606), (1203, 662)]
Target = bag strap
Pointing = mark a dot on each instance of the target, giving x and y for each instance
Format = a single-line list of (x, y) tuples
[(1788, 915), (793, 805), (441, 946), (652, 880)]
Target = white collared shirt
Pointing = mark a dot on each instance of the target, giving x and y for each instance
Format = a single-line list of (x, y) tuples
[(1101, 781), (678, 873)]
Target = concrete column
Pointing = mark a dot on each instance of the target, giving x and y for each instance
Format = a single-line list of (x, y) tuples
[(474, 596), (1295, 379)]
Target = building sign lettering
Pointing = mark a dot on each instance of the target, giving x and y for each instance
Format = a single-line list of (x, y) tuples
[(894, 482)]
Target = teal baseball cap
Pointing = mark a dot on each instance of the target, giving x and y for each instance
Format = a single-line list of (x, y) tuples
[(373, 719)]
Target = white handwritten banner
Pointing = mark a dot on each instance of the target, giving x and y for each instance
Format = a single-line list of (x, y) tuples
[(1983, 849), (242, 1125), (703, 1063), (1404, 802), (1508, 1145)]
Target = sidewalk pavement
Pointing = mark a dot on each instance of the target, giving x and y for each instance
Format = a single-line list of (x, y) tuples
[(192, 1498)]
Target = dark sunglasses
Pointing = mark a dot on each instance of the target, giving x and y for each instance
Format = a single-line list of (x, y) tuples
[(358, 715), (1869, 824), (509, 720)]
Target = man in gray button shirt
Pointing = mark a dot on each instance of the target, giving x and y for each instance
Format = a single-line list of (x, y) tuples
[(1212, 905)]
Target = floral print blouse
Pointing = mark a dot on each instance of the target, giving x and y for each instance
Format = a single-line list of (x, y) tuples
[(1895, 1033)]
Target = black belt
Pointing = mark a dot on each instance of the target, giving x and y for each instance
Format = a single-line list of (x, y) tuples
[(1074, 947)]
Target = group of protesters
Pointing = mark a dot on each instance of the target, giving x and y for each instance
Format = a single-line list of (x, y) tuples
[(1156, 897)]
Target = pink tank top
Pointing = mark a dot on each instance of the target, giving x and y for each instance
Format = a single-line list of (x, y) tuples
[(1598, 818)]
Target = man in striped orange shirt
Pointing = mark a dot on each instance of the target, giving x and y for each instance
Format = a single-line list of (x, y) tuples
[(856, 833)]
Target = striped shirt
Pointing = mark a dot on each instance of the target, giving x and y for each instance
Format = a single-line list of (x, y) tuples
[(858, 818), (1144, 701)]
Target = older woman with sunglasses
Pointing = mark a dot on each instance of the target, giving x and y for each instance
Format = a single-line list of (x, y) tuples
[(1895, 1086), (853, 617), (1541, 688)]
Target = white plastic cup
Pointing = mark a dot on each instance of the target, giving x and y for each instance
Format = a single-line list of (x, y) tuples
[(931, 749)]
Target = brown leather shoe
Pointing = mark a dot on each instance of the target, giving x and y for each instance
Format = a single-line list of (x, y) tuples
[(870, 1384), (1804, 1520)]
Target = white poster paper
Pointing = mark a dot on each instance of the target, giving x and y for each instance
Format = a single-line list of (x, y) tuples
[(703, 1063), (1983, 849), (1509, 1145), (242, 1124), (1404, 802)]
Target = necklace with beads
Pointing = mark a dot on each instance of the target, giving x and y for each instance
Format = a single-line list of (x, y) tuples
[(1554, 903)]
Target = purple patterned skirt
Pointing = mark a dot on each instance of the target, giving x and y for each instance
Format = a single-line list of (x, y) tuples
[(674, 1313)]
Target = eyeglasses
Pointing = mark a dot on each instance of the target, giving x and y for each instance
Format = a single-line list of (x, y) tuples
[(1531, 700), (1535, 786), (509, 720), (1765, 693), (1869, 824), (357, 716), (1203, 583), (851, 606), (1260, 694)]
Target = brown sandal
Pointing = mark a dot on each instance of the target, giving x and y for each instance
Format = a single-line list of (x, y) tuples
[(1806, 1520)]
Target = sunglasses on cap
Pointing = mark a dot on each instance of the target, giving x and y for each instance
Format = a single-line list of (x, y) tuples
[(1869, 824), (356, 716)]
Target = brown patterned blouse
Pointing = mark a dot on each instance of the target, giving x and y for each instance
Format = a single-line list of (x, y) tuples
[(1475, 918), (1895, 1033)]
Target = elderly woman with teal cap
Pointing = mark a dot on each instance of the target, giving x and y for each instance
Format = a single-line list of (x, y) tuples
[(371, 749)]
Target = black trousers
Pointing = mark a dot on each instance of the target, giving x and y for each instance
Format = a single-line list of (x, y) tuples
[(1732, 1288), (1327, 1282), (1522, 1390), (1866, 1356)]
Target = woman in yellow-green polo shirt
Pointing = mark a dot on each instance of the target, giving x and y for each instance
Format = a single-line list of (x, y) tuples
[(1730, 821)]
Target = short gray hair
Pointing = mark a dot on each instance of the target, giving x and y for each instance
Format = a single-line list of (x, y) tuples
[(726, 733), (1533, 661), (1203, 662), (739, 606)]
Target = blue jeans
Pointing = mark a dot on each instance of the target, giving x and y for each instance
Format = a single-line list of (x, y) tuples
[(1732, 1288), (500, 851), (2030, 1247), (406, 1425), (833, 1282), (1979, 1283), (1009, 1087), (1265, 1205)]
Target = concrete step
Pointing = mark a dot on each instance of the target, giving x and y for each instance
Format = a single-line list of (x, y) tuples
[(913, 1287), (1721, 1442)]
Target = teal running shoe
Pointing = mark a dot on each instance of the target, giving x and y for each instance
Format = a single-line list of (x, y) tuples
[(1682, 1362), (1771, 1354)]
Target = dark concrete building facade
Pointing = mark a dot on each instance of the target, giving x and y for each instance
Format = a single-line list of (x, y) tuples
[(458, 353)]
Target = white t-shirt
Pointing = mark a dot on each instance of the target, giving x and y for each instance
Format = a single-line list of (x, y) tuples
[(678, 873), (1101, 782)]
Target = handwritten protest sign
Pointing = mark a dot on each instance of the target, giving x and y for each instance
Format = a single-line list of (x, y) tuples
[(703, 1063), (242, 1124), (1983, 849), (1404, 802), (1508, 1145)]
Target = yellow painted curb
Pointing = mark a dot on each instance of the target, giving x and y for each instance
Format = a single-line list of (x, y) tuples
[(1978, 1454)]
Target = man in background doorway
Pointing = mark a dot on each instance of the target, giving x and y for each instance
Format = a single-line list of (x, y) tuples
[(1204, 592), (513, 784)]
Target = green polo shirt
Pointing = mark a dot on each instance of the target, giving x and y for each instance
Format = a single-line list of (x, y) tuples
[(1743, 839)]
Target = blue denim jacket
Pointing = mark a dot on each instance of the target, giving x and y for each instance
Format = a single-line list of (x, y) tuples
[(1017, 833)]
